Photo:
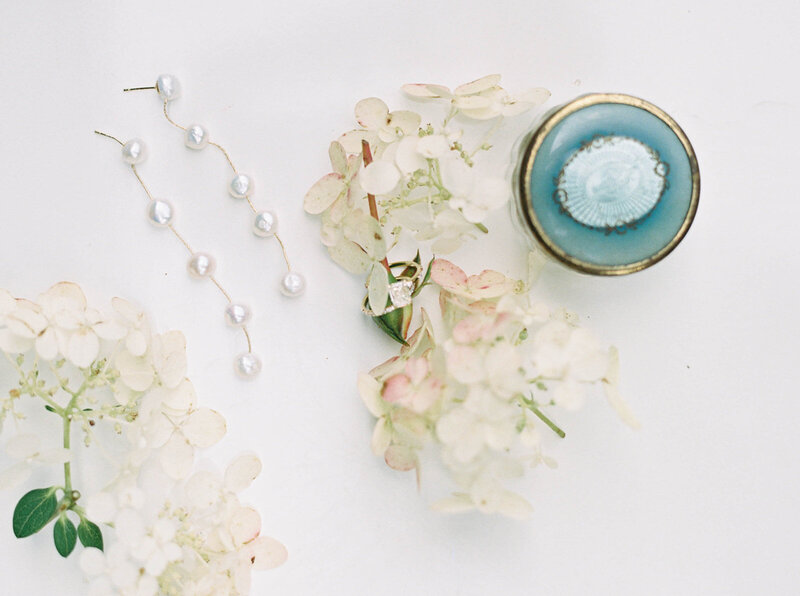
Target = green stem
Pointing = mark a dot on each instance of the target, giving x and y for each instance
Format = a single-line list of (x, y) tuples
[(546, 420)]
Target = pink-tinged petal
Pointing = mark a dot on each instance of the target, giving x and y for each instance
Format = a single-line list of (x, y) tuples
[(204, 428), (401, 458), (324, 193), (396, 388), (245, 525), (381, 436), (489, 284), (447, 275), (417, 369), (267, 553), (427, 91), (372, 113), (241, 472), (468, 330), (478, 85), (465, 364)]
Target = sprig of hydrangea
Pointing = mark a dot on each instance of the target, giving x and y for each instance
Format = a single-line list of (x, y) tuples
[(159, 525), (397, 175), (487, 388), (422, 174)]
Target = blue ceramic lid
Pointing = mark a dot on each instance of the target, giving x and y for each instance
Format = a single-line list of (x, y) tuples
[(608, 184)]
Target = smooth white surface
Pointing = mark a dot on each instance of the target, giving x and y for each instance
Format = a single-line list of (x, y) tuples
[(703, 500)]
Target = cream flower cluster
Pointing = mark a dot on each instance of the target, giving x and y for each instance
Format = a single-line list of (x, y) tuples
[(167, 526), (484, 388), (421, 175)]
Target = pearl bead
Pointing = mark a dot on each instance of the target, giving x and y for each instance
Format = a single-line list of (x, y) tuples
[(241, 186), (195, 137), (168, 87), (265, 224), (160, 212), (293, 284), (201, 264), (237, 314), (134, 151), (247, 365)]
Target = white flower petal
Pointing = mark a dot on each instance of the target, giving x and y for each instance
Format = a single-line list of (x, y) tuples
[(177, 457), (433, 146), (372, 113), (129, 526), (169, 357), (136, 373), (426, 91), (379, 177), (405, 121), (109, 330), (47, 344), (370, 391), (478, 85), (381, 437), (23, 446), (407, 158), (267, 553), (101, 507), (54, 456), (83, 347), (454, 504), (204, 428), (352, 140), (92, 561), (180, 399), (203, 489), (15, 475), (241, 472)]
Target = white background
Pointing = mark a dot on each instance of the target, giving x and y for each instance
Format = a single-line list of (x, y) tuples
[(703, 500)]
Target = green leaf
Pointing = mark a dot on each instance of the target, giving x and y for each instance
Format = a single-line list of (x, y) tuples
[(34, 511), (395, 323), (50, 408), (90, 534), (64, 535)]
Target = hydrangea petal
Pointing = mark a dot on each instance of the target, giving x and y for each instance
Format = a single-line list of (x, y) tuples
[(478, 85), (204, 428), (379, 177), (267, 553), (324, 193), (241, 472), (245, 525), (371, 113), (426, 91), (83, 347), (177, 457)]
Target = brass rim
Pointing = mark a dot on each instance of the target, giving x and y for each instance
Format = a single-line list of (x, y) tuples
[(529, 155)]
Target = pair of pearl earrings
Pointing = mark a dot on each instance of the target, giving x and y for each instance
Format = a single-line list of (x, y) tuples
[(201, 265)]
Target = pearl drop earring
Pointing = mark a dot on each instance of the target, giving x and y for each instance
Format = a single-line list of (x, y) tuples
[(241, 186), (200, 265)]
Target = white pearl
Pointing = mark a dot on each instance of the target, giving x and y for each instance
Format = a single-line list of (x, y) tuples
[(293, 284), (168, 87), (201, 264), (241, 186), (195, 137), (134, 151), (265, 224), (247, 365), (160, 212), (237, 315)]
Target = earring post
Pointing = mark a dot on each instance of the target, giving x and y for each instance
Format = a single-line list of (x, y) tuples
[(138, 88)]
